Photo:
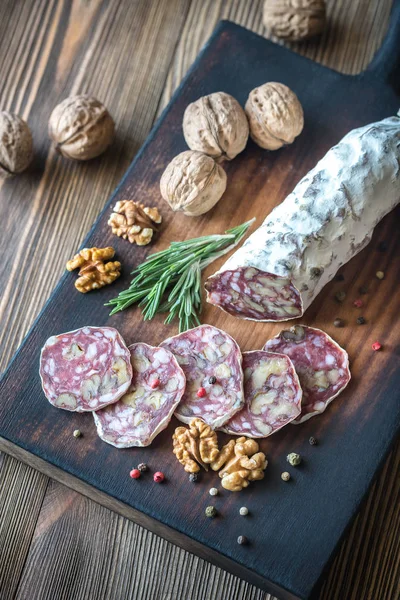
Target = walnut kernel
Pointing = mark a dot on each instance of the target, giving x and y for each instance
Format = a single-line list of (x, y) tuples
[(81, 127), (216, 125), (134, 222), (240, 462), (275, 115), (94, 271), (16, 147), (195, 446), (192, 183), (294, 20)]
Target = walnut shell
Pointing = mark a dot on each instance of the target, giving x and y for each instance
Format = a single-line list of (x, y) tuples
[(192, 183), (16, 146), (216, 125), (294, 20), (275, 115), (81, 127)]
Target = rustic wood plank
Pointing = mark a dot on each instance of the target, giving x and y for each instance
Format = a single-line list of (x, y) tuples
[(343, 22), (22, 490)]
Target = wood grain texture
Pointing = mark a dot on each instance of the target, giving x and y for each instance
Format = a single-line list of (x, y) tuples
[(31, 57)]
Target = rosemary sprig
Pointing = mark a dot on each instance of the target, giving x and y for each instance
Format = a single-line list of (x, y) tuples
[(170, 280)]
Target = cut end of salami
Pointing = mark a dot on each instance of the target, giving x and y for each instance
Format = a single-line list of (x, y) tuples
[(145, 410), (212, 363), (321, 364), (85, 369), (249, 293), (272, 395)]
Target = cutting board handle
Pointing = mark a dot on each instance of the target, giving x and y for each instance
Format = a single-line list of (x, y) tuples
[(386, 63)]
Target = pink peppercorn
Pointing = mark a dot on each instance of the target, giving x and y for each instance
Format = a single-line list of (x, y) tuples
[(158, 477), (155, 383), (201, 392), (376, 346), (358, 303), (135, 473)]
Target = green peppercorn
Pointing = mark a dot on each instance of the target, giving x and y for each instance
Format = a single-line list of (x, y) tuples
[(211, 512), (340, 296), (312, 441), (338, 322), (293, 459), (361, 321), (77, 433)]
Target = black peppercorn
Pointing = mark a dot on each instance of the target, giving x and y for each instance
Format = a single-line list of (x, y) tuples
[(340, 296), (361, 321), (363, 290), (339, 277), (212, 380), (193, 477), (242, 540), (382, 246), (312, 441), (143, 467), (338, 323)]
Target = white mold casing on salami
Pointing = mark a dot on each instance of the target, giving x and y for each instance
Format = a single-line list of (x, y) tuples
[(272, 395), (205, 352), (327, 219), (158, 384), (85, 369), (321, 364)]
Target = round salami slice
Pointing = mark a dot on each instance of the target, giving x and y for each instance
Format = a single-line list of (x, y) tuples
[(272, 395), (157, 387), (211, 361), (321, 364), (85, 369)]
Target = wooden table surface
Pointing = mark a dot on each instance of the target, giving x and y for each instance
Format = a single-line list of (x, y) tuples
[(54, 543)]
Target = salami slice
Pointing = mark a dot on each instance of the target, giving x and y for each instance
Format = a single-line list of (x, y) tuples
[(85, 369), (327, 219), (158, 384), (211, 361), (272, 395), (321, 364)]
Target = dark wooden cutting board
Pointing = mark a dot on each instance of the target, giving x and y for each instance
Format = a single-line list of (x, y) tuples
[(293, 528)]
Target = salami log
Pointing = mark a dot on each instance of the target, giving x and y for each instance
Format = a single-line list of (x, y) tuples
[(321, 364), (327, 219), (85, 369), (272, 395), (157, 386), (212, 363)]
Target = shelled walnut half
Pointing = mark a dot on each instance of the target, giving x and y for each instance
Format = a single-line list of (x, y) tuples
[(240, 462), (134, 222), (94, 270), (195, 446)]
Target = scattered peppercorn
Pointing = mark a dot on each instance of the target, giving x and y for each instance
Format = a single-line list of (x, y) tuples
[(77, 433), (339, 277), (358, 303), (213, 492), (143, 467), (361, 321), (135, 473), (380, 275), (363, 290), (338, 322), (201, 392), (212, 380), (293, 459), (382, 246), (242, 540), (285, 476), (158, 477), (376, 346), (340, 296), (211, 512), (193, 477), (244, 511), (315, 272), (155, 383), (312, 441)]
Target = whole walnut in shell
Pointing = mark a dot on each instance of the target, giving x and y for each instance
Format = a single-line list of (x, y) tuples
[(216, 125), (16, 146), (81, 127), (275, 115), (192, 183), (294, 20)]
